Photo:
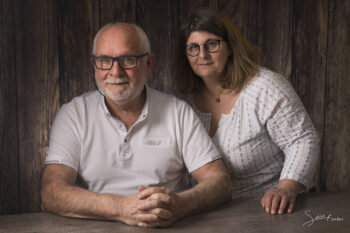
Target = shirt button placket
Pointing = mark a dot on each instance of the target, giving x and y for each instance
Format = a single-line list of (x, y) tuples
[(125, 150)]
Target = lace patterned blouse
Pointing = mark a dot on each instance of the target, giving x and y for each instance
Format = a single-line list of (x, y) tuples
[(266, 137)]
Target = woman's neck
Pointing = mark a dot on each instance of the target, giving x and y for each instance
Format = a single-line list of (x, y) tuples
[(213, 88)]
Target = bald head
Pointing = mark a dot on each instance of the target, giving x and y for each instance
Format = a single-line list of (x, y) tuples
[(131, 32)]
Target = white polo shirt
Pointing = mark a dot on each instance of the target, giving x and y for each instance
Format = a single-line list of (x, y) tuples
[(167, 138)]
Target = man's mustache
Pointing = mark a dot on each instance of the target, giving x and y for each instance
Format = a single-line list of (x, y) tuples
[(116, 81)]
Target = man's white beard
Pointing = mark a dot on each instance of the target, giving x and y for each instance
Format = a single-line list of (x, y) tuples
[(116, 94)]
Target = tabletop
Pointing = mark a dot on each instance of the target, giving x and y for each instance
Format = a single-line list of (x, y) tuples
[(314, 212)]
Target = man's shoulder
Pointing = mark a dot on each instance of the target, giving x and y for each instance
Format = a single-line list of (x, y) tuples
[(167, 105), (87, 100), (89, 97), (159, 97)]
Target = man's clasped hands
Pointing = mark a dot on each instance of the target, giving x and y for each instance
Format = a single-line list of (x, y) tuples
[(151, 207)]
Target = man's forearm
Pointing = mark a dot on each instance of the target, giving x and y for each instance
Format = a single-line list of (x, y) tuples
[(207, 194), (73, 201)]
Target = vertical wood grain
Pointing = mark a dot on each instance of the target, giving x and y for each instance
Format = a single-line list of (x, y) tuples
[(117, 11), (244, 14), (78, 23), (275, 35), (154, 17), (45, 49), (37, 90), (309, 46), (309, 56), (336, 144), (185, 8), (9, 193)]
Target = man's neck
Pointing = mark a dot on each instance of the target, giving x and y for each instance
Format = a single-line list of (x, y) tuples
[(127, 112)]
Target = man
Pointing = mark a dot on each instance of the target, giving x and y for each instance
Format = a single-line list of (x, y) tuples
[(129, 147)]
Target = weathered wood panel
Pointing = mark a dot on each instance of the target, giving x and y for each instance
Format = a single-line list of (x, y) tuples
[(244, 14), (9, 193), (51, 42), (309, 56), (336, 159), (275, 35), (78, 23), (150, 15), (117, 11), (309, 46), (37, 91), (185, 8)]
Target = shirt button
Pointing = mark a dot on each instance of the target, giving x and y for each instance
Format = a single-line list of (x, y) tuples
[(125, 140)]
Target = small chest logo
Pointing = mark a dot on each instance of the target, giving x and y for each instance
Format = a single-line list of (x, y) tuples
[(157, 142)]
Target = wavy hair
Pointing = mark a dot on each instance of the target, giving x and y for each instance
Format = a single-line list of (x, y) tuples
[(241, 66)]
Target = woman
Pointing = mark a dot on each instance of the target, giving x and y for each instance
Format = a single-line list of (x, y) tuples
[(252, 114)]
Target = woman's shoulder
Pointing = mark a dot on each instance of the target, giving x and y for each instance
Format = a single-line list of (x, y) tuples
[(266, 78), (270, 83), (268, 90)]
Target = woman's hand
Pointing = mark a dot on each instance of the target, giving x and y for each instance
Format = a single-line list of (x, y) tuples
[(283, 198)]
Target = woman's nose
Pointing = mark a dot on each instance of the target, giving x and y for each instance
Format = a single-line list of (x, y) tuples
[(203, 53)]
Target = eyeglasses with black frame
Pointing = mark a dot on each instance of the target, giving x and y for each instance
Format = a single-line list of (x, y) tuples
[(124, 62), (211, 46)]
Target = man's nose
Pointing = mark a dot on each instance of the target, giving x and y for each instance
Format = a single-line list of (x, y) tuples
[(116, 69)]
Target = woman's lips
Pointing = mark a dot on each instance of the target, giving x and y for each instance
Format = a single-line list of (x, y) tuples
[(205, 63)]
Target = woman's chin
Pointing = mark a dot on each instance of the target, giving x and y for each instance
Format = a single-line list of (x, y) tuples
[(207, 75)]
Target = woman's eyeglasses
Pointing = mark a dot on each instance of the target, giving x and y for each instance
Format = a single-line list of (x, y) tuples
[(211, 46)]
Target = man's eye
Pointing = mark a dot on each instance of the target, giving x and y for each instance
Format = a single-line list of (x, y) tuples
[(103, 59), (129, 60), (106, 60)]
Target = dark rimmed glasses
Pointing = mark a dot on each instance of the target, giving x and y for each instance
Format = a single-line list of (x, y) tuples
[(211, 46), (124, 62)]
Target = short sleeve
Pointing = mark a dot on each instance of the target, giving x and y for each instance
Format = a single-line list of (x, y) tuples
[(64, 144), (197, 147)]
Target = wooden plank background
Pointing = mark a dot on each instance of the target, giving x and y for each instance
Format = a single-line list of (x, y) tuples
[(36, 62), (9, 178), (336, 141), (45, 49)]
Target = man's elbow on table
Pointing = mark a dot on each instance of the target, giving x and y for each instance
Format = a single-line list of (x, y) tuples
[(44, 198), (47, 189), (227, 185), (56, 182), (215, 179)]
